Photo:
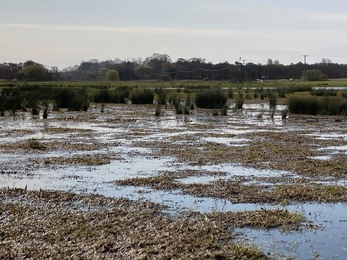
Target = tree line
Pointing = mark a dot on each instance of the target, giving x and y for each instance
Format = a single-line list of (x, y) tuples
[(161, 67)]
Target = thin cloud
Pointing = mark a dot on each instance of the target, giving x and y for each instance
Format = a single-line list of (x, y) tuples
[(141, 30), (238, 35), (329, 17)]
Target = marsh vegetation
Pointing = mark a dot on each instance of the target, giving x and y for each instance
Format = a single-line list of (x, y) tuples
[(185, 184)]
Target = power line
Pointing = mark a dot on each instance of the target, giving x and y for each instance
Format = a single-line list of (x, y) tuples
[(190, 71)]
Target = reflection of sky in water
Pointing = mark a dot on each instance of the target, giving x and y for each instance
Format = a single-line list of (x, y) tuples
[(328, 242), (333, 218)]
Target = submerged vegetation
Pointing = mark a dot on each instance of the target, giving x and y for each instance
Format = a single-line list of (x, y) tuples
[(238, 193), (249, 156), (104, 228)]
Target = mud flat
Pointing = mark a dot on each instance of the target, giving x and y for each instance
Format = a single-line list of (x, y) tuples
[(125, 183)]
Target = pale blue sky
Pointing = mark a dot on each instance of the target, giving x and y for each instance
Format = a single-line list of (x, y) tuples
[(63, 33)]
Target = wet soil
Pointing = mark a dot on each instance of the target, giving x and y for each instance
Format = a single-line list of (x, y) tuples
[(248, 165)]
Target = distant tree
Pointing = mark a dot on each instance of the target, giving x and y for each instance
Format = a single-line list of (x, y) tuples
[(326, 61), (156, 61), (315, 75), (29, 62), (137, 61), (269, 62), (143, 71), (32, 72), (276, 62), (102, 72), (112, 75), (118, 61), (9, 70)]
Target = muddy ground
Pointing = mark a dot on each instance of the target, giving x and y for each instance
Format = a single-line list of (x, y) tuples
[(125, 183)]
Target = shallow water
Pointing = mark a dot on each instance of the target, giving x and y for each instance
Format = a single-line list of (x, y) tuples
[(133, 161), (327, 242)]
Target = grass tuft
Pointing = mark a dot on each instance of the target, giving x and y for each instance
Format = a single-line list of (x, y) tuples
[(213, 98)]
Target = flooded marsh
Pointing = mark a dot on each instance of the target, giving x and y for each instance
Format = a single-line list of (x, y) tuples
[(124, 183)]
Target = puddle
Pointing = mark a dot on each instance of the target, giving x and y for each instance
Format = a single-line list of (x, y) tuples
[(227, 141), (330, 88), (237, 170), (327, 242), (120, 136), (330, 136), (322, 158), (261, 106), (335, 148)]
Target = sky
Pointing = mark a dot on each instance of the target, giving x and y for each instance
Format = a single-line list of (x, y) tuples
[(64, 33)]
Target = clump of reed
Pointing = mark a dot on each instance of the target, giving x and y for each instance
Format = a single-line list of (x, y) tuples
[(284, 113), (35, 144), (230, 93), (176, 101), (318, 105), (323, 92), (158, 110), (224, 110), (188, 105), (239, 101), (45, 109), (75, 99), (162, 97), (272, 99), (142, 96), (11, 99), (213, 98), (118, 95), (35, 108)]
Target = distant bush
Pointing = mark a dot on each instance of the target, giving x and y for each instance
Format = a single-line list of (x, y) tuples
[(315, 75), (112, 75), (142, 96), (164, 77), (33, 72), (213, 98)]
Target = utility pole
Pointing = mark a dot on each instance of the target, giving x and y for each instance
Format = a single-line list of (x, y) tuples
[(241, 73), (305, 65)]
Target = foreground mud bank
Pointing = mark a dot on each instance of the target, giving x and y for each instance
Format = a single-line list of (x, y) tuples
[(240, 182)]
